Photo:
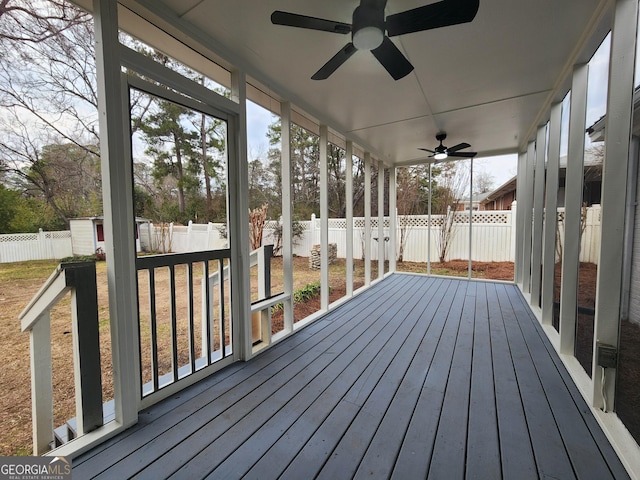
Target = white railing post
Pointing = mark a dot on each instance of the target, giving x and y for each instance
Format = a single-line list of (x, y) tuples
[(80, 280), (41, 385)]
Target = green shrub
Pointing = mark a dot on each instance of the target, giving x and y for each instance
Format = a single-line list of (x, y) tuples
[(309, 291)]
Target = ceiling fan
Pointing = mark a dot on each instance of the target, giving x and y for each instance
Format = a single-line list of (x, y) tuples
[(369, 25), (442, 153)]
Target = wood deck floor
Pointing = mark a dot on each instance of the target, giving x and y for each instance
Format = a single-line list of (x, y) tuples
[(417, 377)]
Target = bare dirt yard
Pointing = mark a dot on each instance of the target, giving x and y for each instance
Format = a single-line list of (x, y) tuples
[(19, 282)]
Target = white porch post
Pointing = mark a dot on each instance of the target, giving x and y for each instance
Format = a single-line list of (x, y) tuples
[(324, 218), (519, 220), (538, 216), (349, 208), (526, 209), (470, 261), (429, 221), (381, 241), (117, 194), (287, 212), (238, 213), (367, 219), (551, 216), (393, 219), (614, 188), (573, 210)]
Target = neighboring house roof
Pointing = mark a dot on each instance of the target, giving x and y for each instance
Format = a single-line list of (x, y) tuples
[(502, 190), (477, 198), (596, 131)]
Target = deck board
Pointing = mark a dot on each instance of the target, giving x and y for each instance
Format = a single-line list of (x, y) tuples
[(515, 443), (359, 379), (549, 451), (582, 450), (418, 377), (483, 453), (417, 447), (451, 437)]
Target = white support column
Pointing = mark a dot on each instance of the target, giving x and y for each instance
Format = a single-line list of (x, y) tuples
[(514, 231), (381, 241), (324, 218), (470, 262), (287, 212), (238, 213), (349, 208), (551, 215), (393, 219), (429, 219), (573, 210), (614, 189), (117, 195), (519, 220), (367, 219), (538, 216), (527, 216)]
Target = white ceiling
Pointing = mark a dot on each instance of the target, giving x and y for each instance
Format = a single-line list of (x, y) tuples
[(488, 82)]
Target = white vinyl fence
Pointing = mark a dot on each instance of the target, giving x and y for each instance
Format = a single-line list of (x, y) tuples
[(493, 238), (22, 247), (167, 237)]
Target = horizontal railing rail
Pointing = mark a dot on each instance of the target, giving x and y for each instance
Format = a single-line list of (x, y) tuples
[(79, 279)]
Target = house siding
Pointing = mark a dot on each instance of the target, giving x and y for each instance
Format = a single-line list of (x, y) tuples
[(634, 295), (501, 203)]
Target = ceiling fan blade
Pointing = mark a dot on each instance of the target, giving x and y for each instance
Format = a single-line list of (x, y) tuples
[(311, 23), (392, 59), (333, 64), (455, 148), (427, 150), (435, 15), (462, 154)]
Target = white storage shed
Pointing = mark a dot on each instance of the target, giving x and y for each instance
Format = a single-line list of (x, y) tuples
[(87, 234)]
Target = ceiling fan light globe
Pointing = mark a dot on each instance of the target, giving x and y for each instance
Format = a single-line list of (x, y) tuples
[(368, 38), (440, 155)]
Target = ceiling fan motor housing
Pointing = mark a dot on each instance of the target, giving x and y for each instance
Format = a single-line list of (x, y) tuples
[(368, 27)]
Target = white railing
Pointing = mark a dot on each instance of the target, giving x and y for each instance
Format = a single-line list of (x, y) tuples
[(22, 247), (261, 307), (170, 321), (80, 280)]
